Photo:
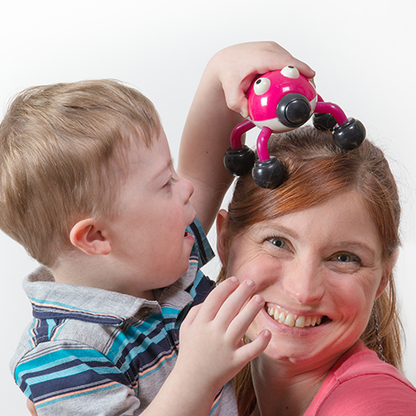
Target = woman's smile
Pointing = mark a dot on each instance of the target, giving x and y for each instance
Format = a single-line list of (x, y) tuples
[(297, 320)]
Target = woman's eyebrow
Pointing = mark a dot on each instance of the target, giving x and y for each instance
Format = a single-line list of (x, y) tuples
[(356, 245), (280, 229)]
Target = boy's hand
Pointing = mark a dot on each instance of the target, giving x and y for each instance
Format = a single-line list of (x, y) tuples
[(211, 345), (238, 65)]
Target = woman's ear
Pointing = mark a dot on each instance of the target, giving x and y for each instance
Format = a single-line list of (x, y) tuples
[(388, 269), (89, 236), (222, 238)]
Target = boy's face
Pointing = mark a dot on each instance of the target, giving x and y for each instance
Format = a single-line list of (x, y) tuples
[(148, 238)]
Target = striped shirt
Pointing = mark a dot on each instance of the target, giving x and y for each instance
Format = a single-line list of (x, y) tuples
[(89, 351)]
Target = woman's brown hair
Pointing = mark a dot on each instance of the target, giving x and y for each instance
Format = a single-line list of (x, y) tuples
[(317, 170)]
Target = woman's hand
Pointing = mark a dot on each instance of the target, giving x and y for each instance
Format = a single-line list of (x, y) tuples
[(238, 65)]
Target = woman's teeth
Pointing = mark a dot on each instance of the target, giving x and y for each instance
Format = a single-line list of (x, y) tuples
[(289, 319)]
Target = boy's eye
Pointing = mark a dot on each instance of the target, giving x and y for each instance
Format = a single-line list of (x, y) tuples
[(170, 182)]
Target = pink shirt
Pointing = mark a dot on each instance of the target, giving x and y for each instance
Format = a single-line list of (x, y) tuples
[(362, 385)]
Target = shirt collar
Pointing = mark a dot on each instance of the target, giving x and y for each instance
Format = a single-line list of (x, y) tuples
[(52, 300)]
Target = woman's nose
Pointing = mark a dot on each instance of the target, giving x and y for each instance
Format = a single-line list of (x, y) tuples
[(302, 282)]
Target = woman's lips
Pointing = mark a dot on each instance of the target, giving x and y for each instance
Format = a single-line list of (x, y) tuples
[(294, 320)]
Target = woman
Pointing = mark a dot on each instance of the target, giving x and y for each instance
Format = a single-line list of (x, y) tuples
[(321, 249)]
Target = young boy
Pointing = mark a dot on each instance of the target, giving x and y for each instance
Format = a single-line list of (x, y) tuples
[(88, 188)]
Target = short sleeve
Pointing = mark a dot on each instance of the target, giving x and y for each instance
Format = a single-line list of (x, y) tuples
[(71, 378), (370, 395)]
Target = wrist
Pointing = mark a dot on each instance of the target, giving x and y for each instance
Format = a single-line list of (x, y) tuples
[(194, 378)]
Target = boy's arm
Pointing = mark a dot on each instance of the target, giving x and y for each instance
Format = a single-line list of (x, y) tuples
[(218, 106), (211, 350)]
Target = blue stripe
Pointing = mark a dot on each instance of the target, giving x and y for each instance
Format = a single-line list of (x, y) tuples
[(51, 359), (72, 396)]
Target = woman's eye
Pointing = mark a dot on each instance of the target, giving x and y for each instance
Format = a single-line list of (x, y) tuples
[(345, 262), (278, 242), (346, 258)]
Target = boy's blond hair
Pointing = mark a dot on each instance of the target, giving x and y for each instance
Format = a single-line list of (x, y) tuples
[(57, 158)]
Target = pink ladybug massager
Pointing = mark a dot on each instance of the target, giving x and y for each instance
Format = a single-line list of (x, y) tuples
[(280, 101)]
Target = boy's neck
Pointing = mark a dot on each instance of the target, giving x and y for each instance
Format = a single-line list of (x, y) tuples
[(93, 271)]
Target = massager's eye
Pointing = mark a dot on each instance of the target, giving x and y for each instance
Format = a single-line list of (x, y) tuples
[(261, 86), (290, 72)]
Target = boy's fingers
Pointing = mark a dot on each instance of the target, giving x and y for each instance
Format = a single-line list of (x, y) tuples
[(217, 297), (239, 325), (256, 347), (234, 303), (253, 349), (190, 317)]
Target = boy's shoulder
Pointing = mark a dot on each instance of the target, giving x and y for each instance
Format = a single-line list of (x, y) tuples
[(72, 317)]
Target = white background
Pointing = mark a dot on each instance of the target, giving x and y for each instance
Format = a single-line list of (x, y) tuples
[(363, 52)]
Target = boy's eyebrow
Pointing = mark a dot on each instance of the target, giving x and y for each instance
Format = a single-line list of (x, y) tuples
[(168, 166)]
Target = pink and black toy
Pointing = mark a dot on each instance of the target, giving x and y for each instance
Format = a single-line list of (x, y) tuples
[(280, 101)]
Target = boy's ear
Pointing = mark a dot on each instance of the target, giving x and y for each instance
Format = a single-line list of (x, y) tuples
[(89, 236), (222, 238)]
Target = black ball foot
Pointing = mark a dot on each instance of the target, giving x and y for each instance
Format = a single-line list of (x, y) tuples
[(239, 161), (269, 174), (350, 135), (324, 121)]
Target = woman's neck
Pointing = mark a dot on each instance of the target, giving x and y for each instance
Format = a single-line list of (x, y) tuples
[(282, 390)]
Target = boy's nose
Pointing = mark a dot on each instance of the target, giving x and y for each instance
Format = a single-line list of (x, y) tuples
[(188, 189), (302, 282)]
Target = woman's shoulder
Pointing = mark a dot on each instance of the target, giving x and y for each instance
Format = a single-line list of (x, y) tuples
[(360, 362), (361, 384)]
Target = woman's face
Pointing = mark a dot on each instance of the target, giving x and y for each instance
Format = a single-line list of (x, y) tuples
[(319, 271)]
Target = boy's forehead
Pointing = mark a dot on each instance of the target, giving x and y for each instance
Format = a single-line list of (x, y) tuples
[(152, 162)]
